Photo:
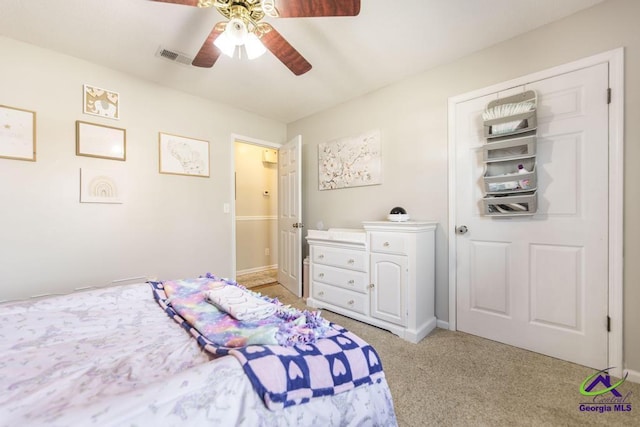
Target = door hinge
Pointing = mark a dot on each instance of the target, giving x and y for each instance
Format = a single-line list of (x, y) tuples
[(608, 324), (608, 95)]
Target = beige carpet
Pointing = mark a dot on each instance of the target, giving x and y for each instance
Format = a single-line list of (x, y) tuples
[(251, 280), (457, 379)]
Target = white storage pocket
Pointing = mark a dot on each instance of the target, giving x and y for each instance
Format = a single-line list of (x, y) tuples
[(512, 115), (503, 177), (512, 205), (508, 149), (512, 125)]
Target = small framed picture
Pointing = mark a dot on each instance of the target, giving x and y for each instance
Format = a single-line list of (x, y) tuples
[(180, 155), (106, 142), (101, 102), (17, 134), (97, 186)]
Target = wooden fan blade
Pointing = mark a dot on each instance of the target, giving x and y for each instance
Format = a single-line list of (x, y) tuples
[(281, 48), (209, 53), (184, 2), (310, 8)]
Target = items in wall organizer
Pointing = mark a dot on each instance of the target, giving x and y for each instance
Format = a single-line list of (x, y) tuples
[(523, 183), (511, 115), (510, 204), (510, 177)]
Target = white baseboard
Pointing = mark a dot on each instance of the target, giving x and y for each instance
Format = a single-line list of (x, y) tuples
[(442, 324), (256, 269), (415, 336), (634, 376)]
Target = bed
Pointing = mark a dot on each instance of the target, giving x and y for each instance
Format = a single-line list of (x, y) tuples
[(113, 357)]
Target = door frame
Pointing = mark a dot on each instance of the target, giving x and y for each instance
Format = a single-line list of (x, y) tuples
[(232, 208), (615, 59)]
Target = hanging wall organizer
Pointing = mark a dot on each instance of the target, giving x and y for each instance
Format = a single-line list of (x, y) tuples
[(510, 178)]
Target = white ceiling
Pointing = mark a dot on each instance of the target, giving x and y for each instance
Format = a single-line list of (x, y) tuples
[(388, 41)]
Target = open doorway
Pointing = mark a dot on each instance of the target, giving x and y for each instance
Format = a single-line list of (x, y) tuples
[(256, 213)]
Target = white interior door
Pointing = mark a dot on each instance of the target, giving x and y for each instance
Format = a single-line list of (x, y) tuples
[(290, 216), (541, 282)]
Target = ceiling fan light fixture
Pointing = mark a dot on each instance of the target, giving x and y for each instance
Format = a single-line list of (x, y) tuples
[(236, 38), (236, 31), (225, 44), (253, 46)]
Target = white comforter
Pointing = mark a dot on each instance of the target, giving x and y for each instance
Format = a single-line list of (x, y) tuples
[(112, 357)]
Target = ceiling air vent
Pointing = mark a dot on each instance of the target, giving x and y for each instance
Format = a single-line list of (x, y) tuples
[(174, 56)]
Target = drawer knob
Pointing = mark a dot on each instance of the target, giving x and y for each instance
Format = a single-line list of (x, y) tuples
[(351, 261), (351, 282), (371, 286), (385, 244), (350, 302), (320, 256), (321, 293), (321, 275)]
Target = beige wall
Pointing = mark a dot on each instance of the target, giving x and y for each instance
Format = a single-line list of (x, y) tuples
[(256, 213), (168, 226), (412, 117)]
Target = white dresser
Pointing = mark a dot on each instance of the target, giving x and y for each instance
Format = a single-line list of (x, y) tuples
[(382, 274)]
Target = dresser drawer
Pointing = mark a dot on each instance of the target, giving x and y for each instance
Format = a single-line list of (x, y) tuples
[(337, 257), (389, 243), (353, 301), (348, 279)]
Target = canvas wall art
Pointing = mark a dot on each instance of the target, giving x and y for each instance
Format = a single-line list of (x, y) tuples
[(350, 162)]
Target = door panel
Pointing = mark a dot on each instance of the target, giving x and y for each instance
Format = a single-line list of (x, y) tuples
[(389, 278), (290, 216), (489, 278), (556, 276), (541, 282), (561, 159)]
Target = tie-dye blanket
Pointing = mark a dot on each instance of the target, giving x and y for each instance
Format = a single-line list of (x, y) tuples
[(287, 326), (321, 364)]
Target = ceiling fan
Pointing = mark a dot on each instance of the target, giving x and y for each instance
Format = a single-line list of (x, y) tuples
[(245, 28)]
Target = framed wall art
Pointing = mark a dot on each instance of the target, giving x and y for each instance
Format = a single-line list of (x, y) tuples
[(98, 186), (350, 162), (180, 155), (101, 102), (17, 133), (106, 142)]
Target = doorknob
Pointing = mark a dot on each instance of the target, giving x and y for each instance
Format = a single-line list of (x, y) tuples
[(462, 229), (297, 225)]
